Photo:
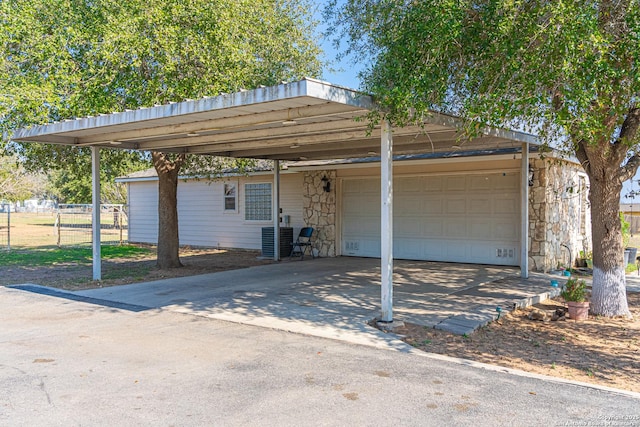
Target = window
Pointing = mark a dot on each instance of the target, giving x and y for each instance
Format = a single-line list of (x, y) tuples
[(231, 197), (257, 202)]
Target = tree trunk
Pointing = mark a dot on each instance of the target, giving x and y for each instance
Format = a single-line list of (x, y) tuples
[(168, 240), (609, 295)]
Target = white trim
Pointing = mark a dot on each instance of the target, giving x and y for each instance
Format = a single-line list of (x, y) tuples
[(95, 215), (224, 197), (524, 212), (386, 222), (244, 213)]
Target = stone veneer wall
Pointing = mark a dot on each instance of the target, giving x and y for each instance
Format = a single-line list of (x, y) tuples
[(319, 210), (559, 215)]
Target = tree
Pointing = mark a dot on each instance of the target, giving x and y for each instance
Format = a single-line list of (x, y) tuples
[(567, 70), (70, 58), (16, 183)]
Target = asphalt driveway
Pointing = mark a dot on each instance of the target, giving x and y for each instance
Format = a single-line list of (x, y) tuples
[(71, 363)]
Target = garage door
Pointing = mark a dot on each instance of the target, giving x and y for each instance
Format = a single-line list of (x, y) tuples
[(459, 218)]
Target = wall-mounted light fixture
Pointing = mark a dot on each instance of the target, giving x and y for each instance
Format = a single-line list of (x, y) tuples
[(531, 170), (327, 184)]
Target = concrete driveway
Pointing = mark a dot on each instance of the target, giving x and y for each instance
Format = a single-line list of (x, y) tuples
[(335, 297)]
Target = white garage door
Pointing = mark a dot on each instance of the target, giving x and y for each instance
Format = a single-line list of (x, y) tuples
[(459, 218)]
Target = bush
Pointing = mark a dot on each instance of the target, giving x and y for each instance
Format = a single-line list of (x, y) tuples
[(574, 290)]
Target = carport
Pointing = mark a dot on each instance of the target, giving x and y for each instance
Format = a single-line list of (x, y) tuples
[(304, 120)]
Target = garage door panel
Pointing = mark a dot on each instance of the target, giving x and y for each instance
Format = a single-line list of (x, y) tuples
[(455, 183), (505, 205), (456, 206), (409, 206), (505, 231), (481, 183), (480, 206), (480, 229), (409, 185), (433, 184), (432, 205), (407, 248), (453, 218), (456, 228), (433, 227), (408, 227)]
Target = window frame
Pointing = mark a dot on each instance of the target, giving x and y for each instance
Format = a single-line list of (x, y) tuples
[(225, 197), (247, 202)]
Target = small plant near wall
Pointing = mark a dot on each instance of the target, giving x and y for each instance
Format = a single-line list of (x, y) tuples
[(574, 292)]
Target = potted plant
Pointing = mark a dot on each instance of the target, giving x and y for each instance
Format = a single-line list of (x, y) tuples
[(574, 292), (587, 257)]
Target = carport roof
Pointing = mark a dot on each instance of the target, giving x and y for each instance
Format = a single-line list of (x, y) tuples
[(307, 119)]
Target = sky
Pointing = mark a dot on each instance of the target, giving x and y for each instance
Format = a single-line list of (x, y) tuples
[(345, 73)]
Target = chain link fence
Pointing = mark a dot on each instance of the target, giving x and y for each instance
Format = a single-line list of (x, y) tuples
[(66, 226)]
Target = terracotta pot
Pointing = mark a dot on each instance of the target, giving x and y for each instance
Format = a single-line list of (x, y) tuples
[(578, 310)]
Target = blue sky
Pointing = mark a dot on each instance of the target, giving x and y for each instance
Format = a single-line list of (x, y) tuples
[(345, 73)]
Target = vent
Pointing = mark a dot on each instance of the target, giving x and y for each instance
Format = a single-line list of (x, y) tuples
[(352, 246), (505, 252)]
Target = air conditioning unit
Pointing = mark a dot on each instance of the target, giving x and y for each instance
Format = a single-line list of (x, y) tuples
[(286, 241)]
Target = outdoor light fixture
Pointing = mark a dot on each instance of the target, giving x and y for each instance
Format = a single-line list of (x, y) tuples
[(531, 170), (327, 184), (294, 145), (289, 123), (115, 142), (192, 134)]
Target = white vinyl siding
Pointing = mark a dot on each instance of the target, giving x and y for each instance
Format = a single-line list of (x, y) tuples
[(203, 220), (460, 218), (143, 212)]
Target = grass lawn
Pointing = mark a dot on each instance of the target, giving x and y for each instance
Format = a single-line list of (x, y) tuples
[(40, 257)]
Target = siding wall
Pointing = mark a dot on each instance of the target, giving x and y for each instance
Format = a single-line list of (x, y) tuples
[(201, 215)]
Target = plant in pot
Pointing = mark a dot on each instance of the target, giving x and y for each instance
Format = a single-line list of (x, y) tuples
[(574, 292)]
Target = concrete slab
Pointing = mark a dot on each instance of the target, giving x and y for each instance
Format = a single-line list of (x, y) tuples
[(337, 297)]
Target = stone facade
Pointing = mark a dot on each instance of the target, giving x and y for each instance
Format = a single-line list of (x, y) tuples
[(319, 210), (559, 215)]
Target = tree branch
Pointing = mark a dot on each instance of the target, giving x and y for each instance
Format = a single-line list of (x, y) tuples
[(630, 168), (583, 157)]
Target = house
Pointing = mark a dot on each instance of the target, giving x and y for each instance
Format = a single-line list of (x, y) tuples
[(454, 207), (487, 199)]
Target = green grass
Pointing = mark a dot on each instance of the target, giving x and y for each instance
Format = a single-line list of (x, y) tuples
[(53, 256)]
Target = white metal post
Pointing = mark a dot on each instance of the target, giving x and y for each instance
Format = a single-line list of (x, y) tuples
[(524, 212), (276, 210), (95, 198), (386, 221)]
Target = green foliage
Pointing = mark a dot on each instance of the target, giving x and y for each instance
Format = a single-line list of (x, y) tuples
[(16, 183), (626, 230), (538, 65), (44, 257), (61, 59), (574, 290)]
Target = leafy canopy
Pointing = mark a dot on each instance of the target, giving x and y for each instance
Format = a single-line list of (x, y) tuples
[(62, 59), (548, 67)]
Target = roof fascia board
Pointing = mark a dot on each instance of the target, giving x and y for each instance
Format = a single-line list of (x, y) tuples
[(302, 88)]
